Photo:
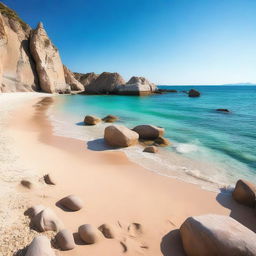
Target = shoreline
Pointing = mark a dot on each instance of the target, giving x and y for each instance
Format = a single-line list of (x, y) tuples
[(114, 190)]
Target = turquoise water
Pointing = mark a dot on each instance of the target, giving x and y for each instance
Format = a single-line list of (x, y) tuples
[(206, 144)]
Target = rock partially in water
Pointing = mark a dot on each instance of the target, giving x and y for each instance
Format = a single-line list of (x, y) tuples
[(245, 193), (223, 110), (194, 93), (120, 136), (148, 132), (151, 149), (161, 141), (91, 120), (215, 235), (110, 119)]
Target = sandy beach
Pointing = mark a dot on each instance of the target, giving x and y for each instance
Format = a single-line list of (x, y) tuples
[(115, 191)]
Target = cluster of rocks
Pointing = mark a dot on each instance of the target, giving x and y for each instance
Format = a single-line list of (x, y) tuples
[(44, 219), (119, 136), (215, 235)]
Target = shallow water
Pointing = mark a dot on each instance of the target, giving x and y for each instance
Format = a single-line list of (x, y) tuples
[(208, 147)]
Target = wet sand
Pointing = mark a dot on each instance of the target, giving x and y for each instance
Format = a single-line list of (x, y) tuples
[(115, 191)]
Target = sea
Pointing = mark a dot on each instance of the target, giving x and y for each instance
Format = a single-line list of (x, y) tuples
[(209, 148)]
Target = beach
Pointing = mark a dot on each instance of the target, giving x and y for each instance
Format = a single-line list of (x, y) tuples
[(115, 190)]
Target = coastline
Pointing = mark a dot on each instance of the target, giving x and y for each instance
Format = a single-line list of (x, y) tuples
[(114, 189)]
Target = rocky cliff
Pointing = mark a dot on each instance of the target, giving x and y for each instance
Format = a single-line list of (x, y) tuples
[(17, 68), (28, 59)]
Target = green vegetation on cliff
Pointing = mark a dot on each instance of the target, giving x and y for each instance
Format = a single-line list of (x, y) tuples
[(9, 13)]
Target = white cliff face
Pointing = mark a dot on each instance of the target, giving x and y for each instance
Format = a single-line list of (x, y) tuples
[(17, 70), (48, 63), (71, 80)]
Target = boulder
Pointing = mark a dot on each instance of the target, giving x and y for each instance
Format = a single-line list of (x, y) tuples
[(17, 69), (65, 240), (91, 120), (107, 230), (245, 193), (89, 234), (148, 132), (50, 179), (48, 63), (40, 246), (137, 86), (72, 203), (27, 184), (110, 119), (151, 149), (47, 220), (215, 235), (161, 141), (194, 93), (222, 110), (86, 79), (120, 136), (105, 83), (71, 80)]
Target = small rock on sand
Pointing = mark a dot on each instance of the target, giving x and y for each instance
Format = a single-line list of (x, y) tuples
[(47, 220), (65, 240), (89, 234), (72, 203), (40, 246), (34, 210), (107, 230), (151, 149), (50, 179), (27, 184)]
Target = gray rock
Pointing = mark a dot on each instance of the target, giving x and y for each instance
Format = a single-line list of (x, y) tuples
[(40, 246), (65, 240), (215, 235), (120, 136), (72, 203)]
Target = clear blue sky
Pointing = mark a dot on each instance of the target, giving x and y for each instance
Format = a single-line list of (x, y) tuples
[(168, 41)]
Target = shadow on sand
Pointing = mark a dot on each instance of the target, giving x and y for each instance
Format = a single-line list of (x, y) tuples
[(171, 244), (98, 145), (243, 214)]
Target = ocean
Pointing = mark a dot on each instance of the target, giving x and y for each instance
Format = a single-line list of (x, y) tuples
[(209, 148)]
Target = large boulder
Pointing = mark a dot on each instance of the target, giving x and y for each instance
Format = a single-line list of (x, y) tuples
[(120, 136), (17, 69), (40, 246), (245, 193), (86, 79), (137, 86), (71, 80), (48, 63), (194, 93), (105, 83), (148, 132), (215, 235)]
